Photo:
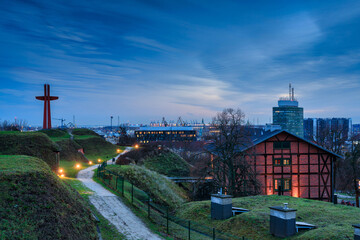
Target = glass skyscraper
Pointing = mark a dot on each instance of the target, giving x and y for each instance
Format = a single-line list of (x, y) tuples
[(289, 115)]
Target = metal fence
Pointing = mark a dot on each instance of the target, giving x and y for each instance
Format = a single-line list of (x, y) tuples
[(171, 225)]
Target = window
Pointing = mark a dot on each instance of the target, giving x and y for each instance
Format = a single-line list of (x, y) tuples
[(282, 145), (285, 183), (282, 161)]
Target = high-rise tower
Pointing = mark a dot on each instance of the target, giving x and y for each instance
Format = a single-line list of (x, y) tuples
[(289, 115)]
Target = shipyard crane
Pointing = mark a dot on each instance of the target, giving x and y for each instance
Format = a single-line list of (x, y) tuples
[(62, 121)]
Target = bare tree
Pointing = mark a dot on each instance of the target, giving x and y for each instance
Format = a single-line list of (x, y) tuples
[(230, 168), (333, 139), (349, 170)]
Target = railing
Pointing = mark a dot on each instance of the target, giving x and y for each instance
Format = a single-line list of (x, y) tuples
[(169, 224)]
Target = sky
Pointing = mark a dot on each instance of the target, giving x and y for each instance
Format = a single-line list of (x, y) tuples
[(142, 60)]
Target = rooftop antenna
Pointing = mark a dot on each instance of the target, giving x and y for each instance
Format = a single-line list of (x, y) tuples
[(293, 96), (290, 91)]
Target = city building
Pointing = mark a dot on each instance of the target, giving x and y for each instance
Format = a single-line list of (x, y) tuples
[(146, 135), (315, 128), (300, 167), (310, 128), (289, 115), (356, 129)]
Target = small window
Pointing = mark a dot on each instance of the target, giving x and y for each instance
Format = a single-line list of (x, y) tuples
[(285, 183), (282, 161), (282, 145)]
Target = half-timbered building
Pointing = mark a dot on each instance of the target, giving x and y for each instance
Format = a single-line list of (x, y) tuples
[(284, 161)]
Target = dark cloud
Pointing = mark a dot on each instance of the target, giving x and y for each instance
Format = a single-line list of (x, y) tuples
[(146, 59)]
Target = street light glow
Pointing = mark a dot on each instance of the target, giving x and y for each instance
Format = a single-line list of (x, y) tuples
[(136, 146), (99, 160), (61, 170), (118, 150), (90, 162), (78, 166)]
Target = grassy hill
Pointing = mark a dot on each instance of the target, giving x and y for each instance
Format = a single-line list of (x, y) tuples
[(34, 144), (161, 189), (56, 134), (84, 131), (333, 221), (161, 160), (36, 204), (96, 147), (69, 151)]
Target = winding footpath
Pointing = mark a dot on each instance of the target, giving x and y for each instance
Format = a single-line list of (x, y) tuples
[(113, 209)]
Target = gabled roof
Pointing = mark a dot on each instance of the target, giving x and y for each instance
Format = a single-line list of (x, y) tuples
[(256, 140)]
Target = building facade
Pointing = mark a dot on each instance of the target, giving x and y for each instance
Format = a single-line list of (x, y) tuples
[(315, 128), (147, 135), (289, 115), (300, 167)]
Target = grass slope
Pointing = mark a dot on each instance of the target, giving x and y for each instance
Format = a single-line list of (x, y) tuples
[(84, 131), (161, 189), (34, 144), (333, 221), (56, 134), (69, 151), (96, 147), (35, 204), (161, 160)]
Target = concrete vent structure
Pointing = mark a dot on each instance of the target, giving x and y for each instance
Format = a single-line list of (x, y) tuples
[(221, 206), (356, 232), (282, 221)]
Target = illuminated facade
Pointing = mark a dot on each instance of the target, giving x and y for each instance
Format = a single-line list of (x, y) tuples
[(169, 134), (289, 115), (302, 169)]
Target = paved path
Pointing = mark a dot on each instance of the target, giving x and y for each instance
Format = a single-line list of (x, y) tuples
[(113, 209)]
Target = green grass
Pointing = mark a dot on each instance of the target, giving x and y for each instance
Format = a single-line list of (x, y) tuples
[(160, 160), (168, 164), (83, 136), (56, 134), (35, 204), (162, 190), (83, 131), (70, 169), (156, 222), (96, 147), (138, 211), (333, 221), (34, 144)]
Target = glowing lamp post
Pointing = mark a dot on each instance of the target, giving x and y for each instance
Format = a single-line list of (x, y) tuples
[(99, 160), (90, 162), (136, 146), (77, 166), (118, 150)]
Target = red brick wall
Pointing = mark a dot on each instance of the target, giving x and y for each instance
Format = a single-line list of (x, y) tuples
[(306, 171)]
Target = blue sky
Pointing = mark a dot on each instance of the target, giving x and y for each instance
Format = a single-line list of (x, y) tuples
[(142, 60)]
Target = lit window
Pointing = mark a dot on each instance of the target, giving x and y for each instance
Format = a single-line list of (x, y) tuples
[(282, 161), (284, 183)]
